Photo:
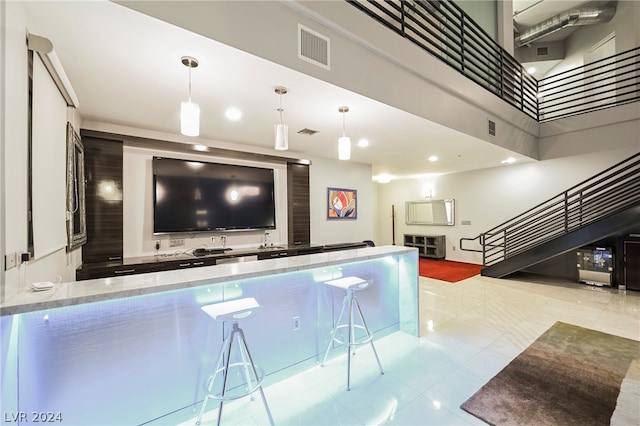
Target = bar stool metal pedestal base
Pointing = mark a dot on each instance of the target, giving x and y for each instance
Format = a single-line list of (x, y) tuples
[(218, 386), (351, 305)]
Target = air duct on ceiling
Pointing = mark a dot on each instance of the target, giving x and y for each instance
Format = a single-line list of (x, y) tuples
[(568, 18)]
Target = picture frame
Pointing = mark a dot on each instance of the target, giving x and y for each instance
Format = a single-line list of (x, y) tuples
[(342, 204), (76, 198)]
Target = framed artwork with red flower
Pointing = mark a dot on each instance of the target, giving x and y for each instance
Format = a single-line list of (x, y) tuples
[(342, 203)]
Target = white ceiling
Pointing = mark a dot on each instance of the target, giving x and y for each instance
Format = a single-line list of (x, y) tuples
[(125, 68)]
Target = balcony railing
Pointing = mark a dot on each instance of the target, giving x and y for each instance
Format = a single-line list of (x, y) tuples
[(448, 33), (601, 84)]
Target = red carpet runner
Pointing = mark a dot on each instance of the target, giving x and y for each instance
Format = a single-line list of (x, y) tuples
[(447, 270)]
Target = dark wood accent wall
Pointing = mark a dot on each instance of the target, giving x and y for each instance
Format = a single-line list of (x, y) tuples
[(298, 209), (104, 202), (103, 172)]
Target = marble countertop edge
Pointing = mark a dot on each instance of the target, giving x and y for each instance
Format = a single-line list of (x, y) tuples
[(88, 291)]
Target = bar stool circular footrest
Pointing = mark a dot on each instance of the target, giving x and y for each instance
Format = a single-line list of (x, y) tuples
[(364, 339), (240, 390)]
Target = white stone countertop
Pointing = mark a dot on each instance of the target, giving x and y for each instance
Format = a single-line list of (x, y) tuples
[(78, 292)]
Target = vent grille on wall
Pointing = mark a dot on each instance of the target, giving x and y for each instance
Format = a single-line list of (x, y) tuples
[(542, 51), (492, 128), (313, 47)]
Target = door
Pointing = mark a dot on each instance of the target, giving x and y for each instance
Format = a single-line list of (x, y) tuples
[(632, 264)]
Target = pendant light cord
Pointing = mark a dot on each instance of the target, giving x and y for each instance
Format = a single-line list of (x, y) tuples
[(280, 109), (190, 83)]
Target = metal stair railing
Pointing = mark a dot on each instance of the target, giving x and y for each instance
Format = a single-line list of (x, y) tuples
[(445, 31), (611, 191)]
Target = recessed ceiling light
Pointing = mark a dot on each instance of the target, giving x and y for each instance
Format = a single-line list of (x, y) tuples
[(363, 143), (433, 158), (233, 114), (531, 70), (509, 160)]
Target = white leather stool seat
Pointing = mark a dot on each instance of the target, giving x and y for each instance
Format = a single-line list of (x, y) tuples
[(349, 283), (232, 310)]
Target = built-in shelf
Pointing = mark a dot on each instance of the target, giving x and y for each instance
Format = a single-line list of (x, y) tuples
[(428, 245), (141, 265)]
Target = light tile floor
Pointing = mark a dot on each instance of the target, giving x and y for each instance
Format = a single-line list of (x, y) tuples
[(469, 331)]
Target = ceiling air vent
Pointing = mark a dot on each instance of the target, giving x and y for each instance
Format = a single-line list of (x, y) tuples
[(307, 132), (542, 51), (313, 47), (492, 128)]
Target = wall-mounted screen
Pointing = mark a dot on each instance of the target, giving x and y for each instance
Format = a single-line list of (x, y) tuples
[(191, 196)]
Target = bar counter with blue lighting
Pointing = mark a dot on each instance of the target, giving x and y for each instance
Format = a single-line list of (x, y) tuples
[(138, 349)]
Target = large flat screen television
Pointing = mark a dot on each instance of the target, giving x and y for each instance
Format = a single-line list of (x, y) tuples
[(192, 196)]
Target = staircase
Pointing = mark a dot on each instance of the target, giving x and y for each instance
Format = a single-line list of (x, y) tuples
[(601, 206)]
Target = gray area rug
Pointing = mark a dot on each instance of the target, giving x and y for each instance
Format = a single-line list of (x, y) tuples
[(569, 376)]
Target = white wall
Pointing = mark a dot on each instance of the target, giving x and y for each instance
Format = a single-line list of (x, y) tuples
[(17, 24), (489, 197), (340, 174)]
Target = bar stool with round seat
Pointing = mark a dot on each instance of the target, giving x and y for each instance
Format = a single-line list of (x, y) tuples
[(240, 378), (351, 305)]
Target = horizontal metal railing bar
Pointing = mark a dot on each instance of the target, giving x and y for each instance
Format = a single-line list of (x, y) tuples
[(577, 80), (578, 72), (624, 192), (434, 19), (531, 234), (579, 89), (436, 23), (617, 197), (564, 96), (475, 59), (628, 173), (621, 77), (624, 93), (610, 201), (560, 75), (558, 209), (534, 236), (556, 231), (452, 48), (482, 41), (545, 119), (555, 225), (601, 103), (565, 105), (633, 160)]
